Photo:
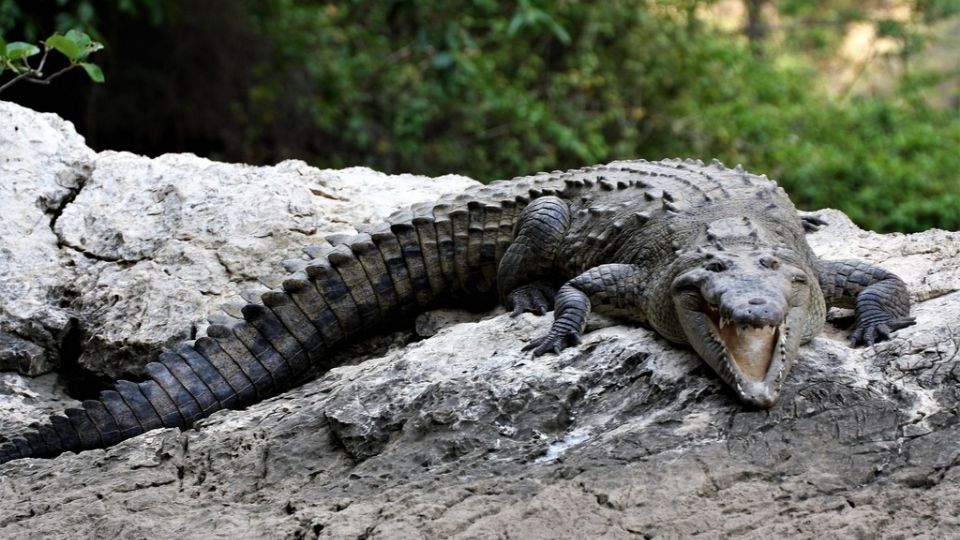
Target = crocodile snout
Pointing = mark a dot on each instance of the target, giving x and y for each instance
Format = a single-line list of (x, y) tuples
[(755, 311)]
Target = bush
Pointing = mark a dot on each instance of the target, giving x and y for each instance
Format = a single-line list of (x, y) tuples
[(434, 87), (496, 89)]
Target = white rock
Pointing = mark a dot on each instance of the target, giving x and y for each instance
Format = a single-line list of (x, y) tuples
[(149, 247), (43, 163)]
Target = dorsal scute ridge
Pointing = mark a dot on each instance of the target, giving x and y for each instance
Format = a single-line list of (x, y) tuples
[(272, 280), (317, 251), (232, 308), (340, 237), (358, 238), (221, 318), (378, 230), (689, 182), (669, 207), (422, 210), (274, 298), (293, 265), (252, 294)]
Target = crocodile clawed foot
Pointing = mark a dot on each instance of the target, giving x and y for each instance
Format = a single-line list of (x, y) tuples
[(812, 223), (536, 298), (875, 332), (554, 341)]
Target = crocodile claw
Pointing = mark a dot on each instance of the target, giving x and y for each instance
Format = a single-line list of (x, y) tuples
[(812, 223), (554, 341), (877, 331), (536, 298)]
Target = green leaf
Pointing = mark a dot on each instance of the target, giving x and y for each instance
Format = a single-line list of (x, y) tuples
[(3, 47), (78, 37), (559, 32), (84, 42), (93, 46), (68, 47), (93, 70), (19, 50), (515, 24)]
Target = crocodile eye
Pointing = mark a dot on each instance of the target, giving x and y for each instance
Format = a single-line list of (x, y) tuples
[(716, 266), (769, 262), (799, 277)]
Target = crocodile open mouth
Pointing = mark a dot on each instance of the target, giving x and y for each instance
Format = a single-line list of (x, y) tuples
[(751, 348)]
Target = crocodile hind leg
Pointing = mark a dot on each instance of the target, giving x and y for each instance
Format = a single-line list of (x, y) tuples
[(523, 275), (879, 298), (612, 288)]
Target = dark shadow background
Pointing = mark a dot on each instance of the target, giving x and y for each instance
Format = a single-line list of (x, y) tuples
[(171, 87)]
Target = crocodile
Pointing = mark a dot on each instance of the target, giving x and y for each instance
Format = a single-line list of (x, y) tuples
[(709, 257)]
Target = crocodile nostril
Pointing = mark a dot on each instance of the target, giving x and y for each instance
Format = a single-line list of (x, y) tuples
[(757, 301)]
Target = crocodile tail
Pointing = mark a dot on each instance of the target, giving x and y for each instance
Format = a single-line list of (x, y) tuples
[(343, 290)]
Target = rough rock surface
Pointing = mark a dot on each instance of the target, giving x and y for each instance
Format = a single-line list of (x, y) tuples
[(133, 253), (462, 435), (43, 163)]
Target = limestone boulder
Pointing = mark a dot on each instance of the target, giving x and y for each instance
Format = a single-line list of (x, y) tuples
[(131, 254), (43, 165)]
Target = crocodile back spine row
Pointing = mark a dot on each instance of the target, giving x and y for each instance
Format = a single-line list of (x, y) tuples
[(342, 290)]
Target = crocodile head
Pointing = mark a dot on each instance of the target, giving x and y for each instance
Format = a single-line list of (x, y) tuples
[(743, 308)]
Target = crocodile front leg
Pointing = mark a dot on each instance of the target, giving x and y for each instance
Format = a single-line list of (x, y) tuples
[(879, 298), (613, 288), (524, 275)]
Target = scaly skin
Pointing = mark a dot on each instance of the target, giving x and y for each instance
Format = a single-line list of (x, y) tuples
[(707, 256)]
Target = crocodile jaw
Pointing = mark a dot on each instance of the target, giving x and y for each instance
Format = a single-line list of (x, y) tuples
[(753, 361), (750, 348), (754, 357)]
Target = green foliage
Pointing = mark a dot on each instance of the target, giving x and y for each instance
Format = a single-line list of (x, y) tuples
[(10, 14), (494, 90), (74, 45), (84, 15), (431, 86), (889, 165), (18, 51), (93, 71)]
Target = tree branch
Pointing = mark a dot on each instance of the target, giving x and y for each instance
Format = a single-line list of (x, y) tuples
[(14, 80), (35, 75)]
